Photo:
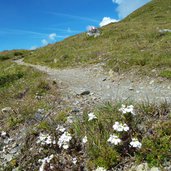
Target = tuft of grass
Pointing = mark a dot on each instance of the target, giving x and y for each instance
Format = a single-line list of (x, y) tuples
[(44, 126), (61, 117), (12, 54), (19, 88), (8, 79), (156, 147), (166, 74), (150, 126)]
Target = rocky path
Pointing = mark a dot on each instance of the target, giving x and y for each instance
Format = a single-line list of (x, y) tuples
[(107, 86)]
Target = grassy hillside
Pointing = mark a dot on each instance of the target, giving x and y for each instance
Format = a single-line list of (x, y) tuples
[(135, 42), (157, 10), (20, 88)]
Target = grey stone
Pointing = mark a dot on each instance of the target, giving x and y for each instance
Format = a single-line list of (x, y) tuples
[(8, 157), (75, 110), (131, 88), (41, 111), (8, 140), (38, 116), (15, 169), (165, 30), (14, 150), (6, 109), (154, 169), (141, 167), (85, 93)]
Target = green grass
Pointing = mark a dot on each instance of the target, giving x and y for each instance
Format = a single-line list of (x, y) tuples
[(150, 125), (156, 148), (19, 87), (166, 74), (13, 54), (132, 43)]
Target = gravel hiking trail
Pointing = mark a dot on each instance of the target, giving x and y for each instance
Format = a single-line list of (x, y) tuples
[(107, 86)]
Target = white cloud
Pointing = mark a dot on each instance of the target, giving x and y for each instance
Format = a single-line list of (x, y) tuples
[(33, 48), (44, 42), (52, 36), (107, 20), (125, 7), (117, 1)]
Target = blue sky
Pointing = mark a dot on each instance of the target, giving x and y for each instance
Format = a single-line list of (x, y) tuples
[(28, 24)]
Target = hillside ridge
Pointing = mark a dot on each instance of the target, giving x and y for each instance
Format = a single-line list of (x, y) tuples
[(136, 42)]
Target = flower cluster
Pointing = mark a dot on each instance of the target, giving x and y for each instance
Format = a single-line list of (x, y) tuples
[(127, 109), (44, 161), (45, 139), (91, 116), (135, 143), (100, 169), (60, 128), (114, 139), (120, 127), (64, 140)]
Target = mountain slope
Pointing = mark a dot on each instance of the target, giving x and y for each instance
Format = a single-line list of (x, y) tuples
[(135, 42), (156, 11)]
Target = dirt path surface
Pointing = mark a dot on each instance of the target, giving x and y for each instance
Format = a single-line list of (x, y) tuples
[(107, 86)]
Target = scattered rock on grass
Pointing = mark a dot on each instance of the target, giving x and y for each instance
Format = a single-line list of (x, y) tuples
[(143, 167), (6, 109)]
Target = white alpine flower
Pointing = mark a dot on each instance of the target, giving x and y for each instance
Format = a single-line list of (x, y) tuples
[(60, 128), (91, 116), (125, 127), (127, 109), (120, 127), (114, 139), (44, 161), (135, 143), (64, 140), (44, 139), (84, 140)]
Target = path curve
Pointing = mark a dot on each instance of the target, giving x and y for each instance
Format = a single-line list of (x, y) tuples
[(107, 86)]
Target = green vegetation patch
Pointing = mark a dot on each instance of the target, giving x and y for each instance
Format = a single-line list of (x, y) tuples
[(23, 90), (108, 137), (146, 136), (166, 74), (13, 54), (8, 79)]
